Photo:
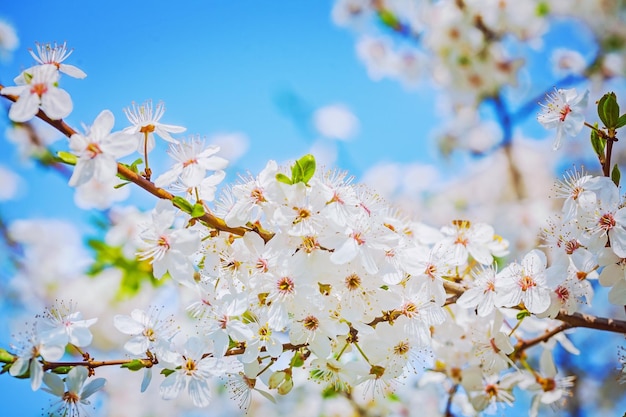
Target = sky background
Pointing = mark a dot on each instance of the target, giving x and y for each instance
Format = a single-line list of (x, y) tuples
[(256, 68)]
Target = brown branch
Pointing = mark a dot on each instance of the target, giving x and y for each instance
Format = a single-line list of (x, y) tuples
[(573, 320), (207, 218), (522, 345)]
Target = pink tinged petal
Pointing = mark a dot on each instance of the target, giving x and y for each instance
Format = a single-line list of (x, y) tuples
[(56, 103), (137, 345), (127, 325), (193, 175), (83, 172), (51, 351), (102, 125), (509, 297), (610, 275), (368, 262), (19, 366), (55, 384), (76, 378), (172, 385), (274, 347), (36, 375), (119, 144), (546, 364), (239, 331), (537, 300), (617, 295), (534, 262), (345, 253), (25, 108), (92, 386), (481, 254), (147, 378), (470, 298), (251, 352), (199, 392), (15, 90), (618, 241), (214, 163), (159, 268), (72, 71), (186, 241), (486, 305), (220, 342), (163, 133), (169, 177), (80, 336)]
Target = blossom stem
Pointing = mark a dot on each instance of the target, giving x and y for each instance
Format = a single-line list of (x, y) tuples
[(362, 353), (147, 170), (453, 390), (91, 364)]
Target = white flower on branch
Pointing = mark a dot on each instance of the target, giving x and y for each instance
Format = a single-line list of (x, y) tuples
[(193, 160), (55, 55), (98, 150), (38, 89), (565, 112), (169, 250), (145, 122), (75, 396)]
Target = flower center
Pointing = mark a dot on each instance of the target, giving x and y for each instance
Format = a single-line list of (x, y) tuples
[(93, 150), (606, 222), (40, 89), (147, 129), (285, 285), (311, 323), (564, 112), (353, 282), (71, 397), (527, 282)]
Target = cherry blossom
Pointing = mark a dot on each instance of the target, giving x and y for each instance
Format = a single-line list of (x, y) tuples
[(565, 112), (98, 150), (38, 89)]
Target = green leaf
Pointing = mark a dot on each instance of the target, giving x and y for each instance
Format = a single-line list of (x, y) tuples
[(167, 372), (616, 175), (6, 357), (543, 8), (62, 370), (389, 19), (597, 143), (68, 158), (133, 166), (5, 368), (608, 110), (297, 174), (621, 121), (182, 204), (134, 365), (297, 360), (307, 166), (280, 177), (197, 211), (121, 185), (522, 314)]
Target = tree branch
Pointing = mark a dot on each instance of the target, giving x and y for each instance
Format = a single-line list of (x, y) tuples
[(207, 218), (573, 320)]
